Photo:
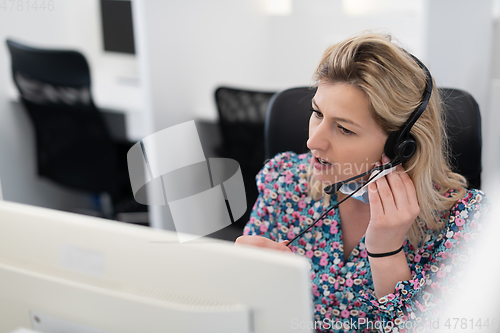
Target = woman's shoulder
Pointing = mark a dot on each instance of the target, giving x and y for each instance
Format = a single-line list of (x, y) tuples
[(473, 199), (471, 209), (462, 224), (289, 159), (467, 216), (286, 167)]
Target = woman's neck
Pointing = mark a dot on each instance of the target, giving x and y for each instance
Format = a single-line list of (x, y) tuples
[(353, 205)]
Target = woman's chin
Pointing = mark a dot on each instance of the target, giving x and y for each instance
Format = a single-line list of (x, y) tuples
[(325, 179)]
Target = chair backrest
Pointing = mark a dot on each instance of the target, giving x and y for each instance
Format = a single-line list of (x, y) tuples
[(53, 77), (287, 121), (463, 127), (242, 115), (74, 146), (287, 127)]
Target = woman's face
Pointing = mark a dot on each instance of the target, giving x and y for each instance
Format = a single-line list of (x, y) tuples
[(343, 133)]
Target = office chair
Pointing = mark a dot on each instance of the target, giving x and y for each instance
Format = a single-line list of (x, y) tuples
[(287, 128), (242, 115), (74, 145)]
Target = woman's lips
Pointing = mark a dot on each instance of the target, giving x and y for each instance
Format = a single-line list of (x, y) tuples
[(317, 165)]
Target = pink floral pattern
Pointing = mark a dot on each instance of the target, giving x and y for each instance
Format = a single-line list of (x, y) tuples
[(344, 291)]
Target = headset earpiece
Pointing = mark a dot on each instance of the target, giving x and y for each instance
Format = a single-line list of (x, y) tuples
[(407, 149), (402, 149), (390, 148)]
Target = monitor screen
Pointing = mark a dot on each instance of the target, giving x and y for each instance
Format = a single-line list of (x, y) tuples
[(65, 272), (117, 27)]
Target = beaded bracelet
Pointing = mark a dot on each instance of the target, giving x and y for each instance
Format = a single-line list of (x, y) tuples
[(378, 255)]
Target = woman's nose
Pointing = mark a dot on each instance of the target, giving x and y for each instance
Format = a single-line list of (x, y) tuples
[(318, 137)]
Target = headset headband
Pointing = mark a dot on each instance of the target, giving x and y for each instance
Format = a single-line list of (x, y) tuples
[(405, 131)]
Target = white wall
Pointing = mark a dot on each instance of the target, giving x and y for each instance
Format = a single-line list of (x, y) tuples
[(194, 46), (455, 32), (492, 140), (296, 42), (459, 49)]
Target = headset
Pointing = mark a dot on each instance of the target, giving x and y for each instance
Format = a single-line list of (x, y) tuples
[(400, 145)]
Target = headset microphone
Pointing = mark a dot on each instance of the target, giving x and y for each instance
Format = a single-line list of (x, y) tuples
[(331, 189)]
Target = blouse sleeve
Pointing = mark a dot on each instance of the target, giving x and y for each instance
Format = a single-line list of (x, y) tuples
[(435, 266), (263, 216)]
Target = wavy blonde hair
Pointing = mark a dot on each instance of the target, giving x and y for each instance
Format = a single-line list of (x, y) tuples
[(394, 84)]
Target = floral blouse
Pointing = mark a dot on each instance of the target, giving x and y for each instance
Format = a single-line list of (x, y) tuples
[(343, 294)]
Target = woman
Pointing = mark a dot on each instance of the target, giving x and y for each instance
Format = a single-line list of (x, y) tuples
[(367, 88)]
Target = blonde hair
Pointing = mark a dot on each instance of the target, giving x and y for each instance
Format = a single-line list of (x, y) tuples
[(394, 84)]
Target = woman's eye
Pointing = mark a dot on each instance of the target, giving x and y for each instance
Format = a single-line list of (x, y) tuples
[(344, 130), (317, 113)]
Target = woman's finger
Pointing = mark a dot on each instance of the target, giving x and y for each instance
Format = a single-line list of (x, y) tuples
[(376, 209), (410, 187), (386, 196), (260, 241), (398, 190)]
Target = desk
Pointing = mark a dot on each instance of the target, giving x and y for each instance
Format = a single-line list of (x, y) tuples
[(121, 95)]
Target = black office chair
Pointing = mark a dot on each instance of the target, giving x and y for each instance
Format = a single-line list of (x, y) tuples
[(287, 127), (74, 146), (242, 115)]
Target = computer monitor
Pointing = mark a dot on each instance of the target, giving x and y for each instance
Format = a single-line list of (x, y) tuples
[(65, 272), (117, 27)]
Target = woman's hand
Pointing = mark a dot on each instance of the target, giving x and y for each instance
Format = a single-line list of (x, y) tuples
[(393, 209), (260, 241)]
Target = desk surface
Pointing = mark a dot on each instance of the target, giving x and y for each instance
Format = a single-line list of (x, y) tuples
[(119, 93)]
